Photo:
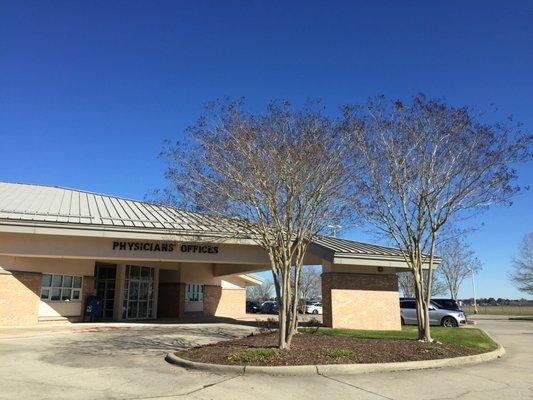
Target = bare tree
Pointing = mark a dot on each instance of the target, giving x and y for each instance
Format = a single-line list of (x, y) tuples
[(458, 262), (261, 292), (277, 175), (423, 165), (522, 274), (310, 283), (406, 284)]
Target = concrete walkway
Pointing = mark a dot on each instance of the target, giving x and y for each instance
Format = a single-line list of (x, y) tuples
[(126, 362)]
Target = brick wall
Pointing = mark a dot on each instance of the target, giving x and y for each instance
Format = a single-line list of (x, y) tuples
[(19, 298), (361, 301), (220, 302)]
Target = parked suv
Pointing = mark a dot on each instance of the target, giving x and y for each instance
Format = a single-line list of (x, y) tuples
[(437, 315), (313, 307), (270, 307), (253, 306), (448, 304)]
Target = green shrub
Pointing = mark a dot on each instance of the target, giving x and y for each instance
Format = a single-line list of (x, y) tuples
[(340, 353), (313, 325), (254, 355), (267, 326)]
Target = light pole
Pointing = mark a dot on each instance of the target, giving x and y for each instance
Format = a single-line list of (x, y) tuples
[(474, 289), (334, 229)]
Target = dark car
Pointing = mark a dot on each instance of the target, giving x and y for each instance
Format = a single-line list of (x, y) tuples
[(269, 307), (253, 306)]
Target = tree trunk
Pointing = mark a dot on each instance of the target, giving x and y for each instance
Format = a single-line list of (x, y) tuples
[(427, 322), (421, 309), (282, 319), (293, 323)]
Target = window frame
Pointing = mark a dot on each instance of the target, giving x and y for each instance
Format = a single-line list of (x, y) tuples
[(72, 288), (194, 292)]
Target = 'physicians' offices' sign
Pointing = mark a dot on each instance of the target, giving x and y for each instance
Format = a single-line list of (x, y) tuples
[(165, 247)]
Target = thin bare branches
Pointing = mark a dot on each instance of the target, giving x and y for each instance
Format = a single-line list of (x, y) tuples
[(423, 165), (280, 172), (522, 274)]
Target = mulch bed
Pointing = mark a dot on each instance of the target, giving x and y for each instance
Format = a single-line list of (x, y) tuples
[(310, 349)]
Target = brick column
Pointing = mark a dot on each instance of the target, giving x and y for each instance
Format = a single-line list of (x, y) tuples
[(361, 301), (326, 300), (19, 298), (212, 296), (86, 291)]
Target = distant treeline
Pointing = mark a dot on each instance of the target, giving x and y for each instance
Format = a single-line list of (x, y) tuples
[(491, 301)]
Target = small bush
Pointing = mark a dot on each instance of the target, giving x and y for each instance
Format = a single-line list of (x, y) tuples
[(313, 325), (434, 349), (254, 355), (340, 353), (267, 326)]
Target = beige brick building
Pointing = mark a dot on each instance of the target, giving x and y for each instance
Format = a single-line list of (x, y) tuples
[(60, 246)]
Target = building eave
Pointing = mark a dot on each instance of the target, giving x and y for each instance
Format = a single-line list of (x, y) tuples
[(113, 232)]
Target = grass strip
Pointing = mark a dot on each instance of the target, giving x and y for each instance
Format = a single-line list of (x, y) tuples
[(469, 337)]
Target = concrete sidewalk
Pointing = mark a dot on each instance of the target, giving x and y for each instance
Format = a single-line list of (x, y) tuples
[(127, 363)]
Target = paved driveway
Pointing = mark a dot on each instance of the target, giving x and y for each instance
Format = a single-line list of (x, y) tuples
[(126, 362)]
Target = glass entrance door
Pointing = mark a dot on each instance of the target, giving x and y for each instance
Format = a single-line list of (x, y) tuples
[(105, 287), (138, 292)]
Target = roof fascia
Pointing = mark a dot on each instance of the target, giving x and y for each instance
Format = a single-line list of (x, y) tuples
[(120, 233)]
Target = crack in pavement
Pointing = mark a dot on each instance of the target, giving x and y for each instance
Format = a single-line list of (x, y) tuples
[(356, 387), (208, 385)]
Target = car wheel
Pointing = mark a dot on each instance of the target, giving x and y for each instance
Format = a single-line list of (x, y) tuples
[(315, 311), (403, 321), (449, 322)]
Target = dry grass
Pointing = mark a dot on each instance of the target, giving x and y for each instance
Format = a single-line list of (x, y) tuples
[(500, 310)]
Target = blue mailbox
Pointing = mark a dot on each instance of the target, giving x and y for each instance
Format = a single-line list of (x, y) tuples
[(93, 307)]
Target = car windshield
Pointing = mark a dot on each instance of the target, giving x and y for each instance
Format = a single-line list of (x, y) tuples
[(434, 305), (449, 304)]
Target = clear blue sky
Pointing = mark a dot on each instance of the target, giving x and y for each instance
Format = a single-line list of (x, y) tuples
[(89, 90)]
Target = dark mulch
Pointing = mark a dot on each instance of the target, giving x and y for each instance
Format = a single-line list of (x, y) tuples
[(310, 349)]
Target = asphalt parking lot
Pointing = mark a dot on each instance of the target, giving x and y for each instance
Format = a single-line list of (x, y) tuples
[(115, 361)]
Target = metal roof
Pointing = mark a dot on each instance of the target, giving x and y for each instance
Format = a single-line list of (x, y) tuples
[(345, 246), (51, 205)]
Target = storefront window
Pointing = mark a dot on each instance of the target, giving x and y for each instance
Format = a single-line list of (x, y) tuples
[(60, 287), (138, 292)]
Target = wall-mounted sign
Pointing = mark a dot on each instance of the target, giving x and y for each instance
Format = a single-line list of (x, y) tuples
[(165, 247), (198, 248)]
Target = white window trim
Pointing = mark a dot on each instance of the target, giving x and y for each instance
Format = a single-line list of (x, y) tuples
[(194, 289), (72, 289)]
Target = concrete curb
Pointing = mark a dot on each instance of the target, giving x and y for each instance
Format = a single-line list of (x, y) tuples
[(335, 369)]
